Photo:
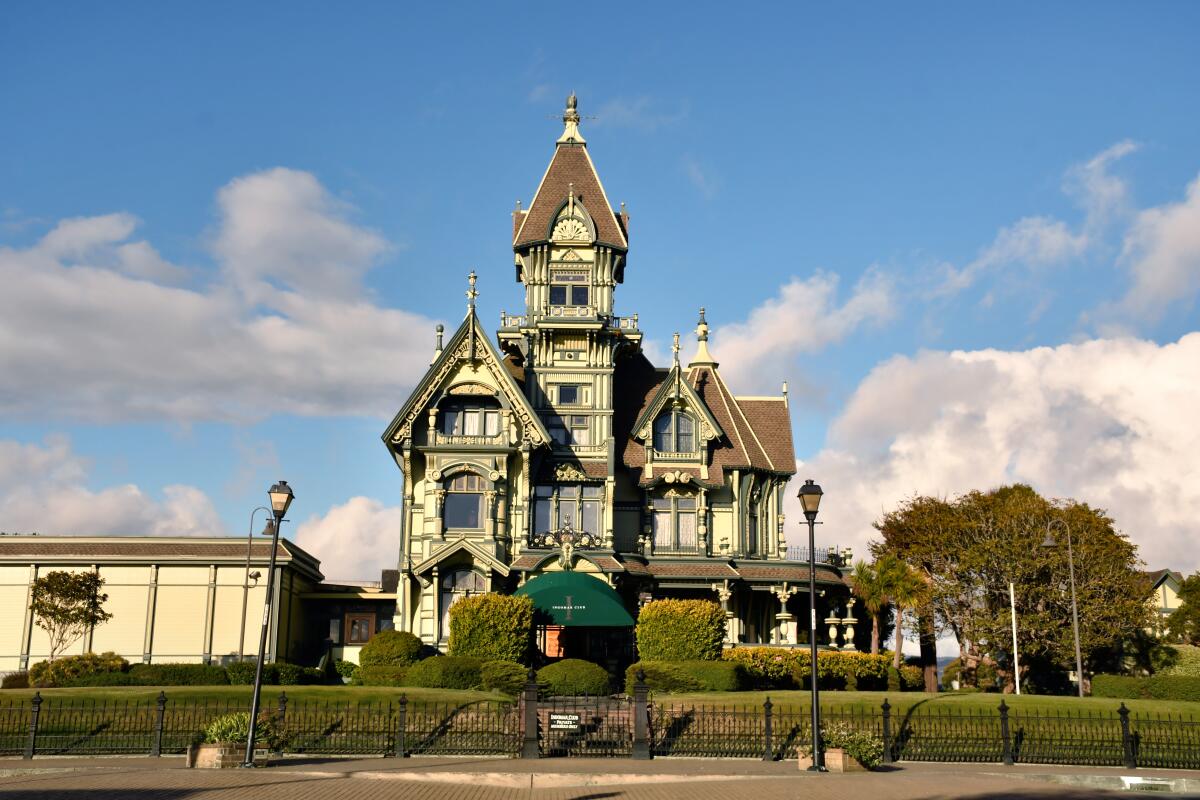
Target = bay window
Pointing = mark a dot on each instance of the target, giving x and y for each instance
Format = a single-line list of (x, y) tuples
[(673, 523), (463, 505), (556, 506)]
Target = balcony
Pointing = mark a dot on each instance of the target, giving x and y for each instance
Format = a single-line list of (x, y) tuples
[(515, 321), (824, 555)]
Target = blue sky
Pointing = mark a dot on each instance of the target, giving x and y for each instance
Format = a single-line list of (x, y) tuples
[(962, 234)]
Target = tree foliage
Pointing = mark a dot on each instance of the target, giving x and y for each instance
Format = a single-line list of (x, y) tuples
[(1184, 623), (66, 605), (970, 548)]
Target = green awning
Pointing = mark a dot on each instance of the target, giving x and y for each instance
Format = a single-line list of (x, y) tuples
[(576, 599)]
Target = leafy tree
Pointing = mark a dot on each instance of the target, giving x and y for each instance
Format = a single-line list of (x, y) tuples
[(1184, 623), (876, 586), (970, 548), (66, 605), (908, 591)]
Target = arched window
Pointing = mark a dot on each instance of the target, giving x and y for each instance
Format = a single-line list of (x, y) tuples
[(455, 586), (477, 416), (674, 432), (463, 506)]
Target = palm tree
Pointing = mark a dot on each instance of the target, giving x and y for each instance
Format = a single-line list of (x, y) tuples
[(907, 590), (869, 584)]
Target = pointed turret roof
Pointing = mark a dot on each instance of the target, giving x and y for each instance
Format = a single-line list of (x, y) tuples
[(571, 170)]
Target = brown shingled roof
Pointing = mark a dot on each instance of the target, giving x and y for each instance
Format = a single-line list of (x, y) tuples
[(793, 573), (571, 165), (131, 547), (772, 426)]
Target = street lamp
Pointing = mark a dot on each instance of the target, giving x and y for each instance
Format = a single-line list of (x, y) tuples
[(810, 501), (281, 498), (1049, 542), (246, 580)]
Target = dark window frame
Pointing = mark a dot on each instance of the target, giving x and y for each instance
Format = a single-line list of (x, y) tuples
[(358, 616)]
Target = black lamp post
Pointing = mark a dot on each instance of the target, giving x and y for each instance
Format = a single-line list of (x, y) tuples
[(281, 498), (1049, 542), (250, 576), (810, 500)]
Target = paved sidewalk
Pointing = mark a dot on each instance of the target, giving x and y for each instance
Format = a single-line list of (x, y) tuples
[(546, 779)]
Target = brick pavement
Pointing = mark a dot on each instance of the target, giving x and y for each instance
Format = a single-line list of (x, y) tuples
[(547, 779)]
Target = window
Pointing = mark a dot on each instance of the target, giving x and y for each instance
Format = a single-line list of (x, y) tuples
[(556, 506), (470, 418), (464, 501), (674, 432), (359, 628), (673, 523), (569, 289), (455, 586), (569, 429), (570, 394)]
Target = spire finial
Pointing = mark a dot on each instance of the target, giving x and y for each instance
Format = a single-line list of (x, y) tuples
[(702, 354), (471, 293), (437, 350), (702, 327), (571, 118), (675, 348)]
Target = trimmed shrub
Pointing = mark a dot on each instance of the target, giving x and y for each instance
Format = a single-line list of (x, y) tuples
[(241, 673), (1186, 664), (346, 668), (689, 676), (106, 679), (446, 672), (503, 676), (665, 676), (64, 671), (776, 668), (573, 676), (1155, 687), (178, 675), (894, 683), (912, 678), (767, 667), (492, 627), (15, 680), (235, 728), (390, 648), (295, 675), (382, 676), (680, 630)]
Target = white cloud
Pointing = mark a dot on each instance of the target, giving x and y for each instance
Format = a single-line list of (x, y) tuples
[(803, 318), (1107, 421), (642, 113), (354, 540), (700, 177), (43, 488), (95, 327), (1162, 254)]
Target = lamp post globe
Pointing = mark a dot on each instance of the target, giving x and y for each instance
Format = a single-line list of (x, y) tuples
[(281, 499), (810, 501)]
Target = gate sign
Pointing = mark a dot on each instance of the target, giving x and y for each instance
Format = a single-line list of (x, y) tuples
[(564, 722)]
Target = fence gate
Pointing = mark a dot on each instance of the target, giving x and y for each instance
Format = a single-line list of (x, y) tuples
[(586, 727)]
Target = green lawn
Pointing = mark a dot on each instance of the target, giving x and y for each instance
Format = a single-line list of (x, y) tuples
[(947, 701), (340, 694)]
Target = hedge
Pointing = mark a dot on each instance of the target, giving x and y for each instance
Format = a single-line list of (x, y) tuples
[(390, 648), (680, 630), (776, 668), (178, 675), (15, 680), (689, 676), (573, 676), (492, 627), (382, 676), (446, 672), (1187, 662), (503, 676), (67, 669), (1155, 687)]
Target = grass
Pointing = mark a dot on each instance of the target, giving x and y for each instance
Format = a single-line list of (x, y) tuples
[(944, 701), (270, 694)]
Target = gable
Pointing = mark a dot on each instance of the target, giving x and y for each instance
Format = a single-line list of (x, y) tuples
[(469, 365), (709, 428)]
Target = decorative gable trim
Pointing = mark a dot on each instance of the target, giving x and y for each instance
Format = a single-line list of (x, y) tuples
[(480, 555), (469, 343), (709, 428)]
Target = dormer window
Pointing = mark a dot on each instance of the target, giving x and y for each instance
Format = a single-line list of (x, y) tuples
[(474, 417), (674, 432)]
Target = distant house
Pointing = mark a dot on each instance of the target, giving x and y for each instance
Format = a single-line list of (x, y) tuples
[(1164, 596)]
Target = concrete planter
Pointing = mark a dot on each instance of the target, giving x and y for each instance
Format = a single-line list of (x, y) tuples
[(225, 755), (836, 760)]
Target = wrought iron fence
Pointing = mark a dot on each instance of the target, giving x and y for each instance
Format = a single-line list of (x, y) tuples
[(606, 726)]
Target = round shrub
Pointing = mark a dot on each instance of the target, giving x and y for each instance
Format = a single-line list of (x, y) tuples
[(446, 672), (346, 668), (492, 626), (382, 676), (390, 649), (573, 676), (64, 671), (503, 676), (680, 630)]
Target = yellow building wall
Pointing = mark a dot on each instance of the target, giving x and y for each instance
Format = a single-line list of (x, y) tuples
[(124, 634), (14, 589)]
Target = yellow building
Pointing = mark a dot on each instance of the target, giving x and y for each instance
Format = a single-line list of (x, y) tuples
[(1164, 597)]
